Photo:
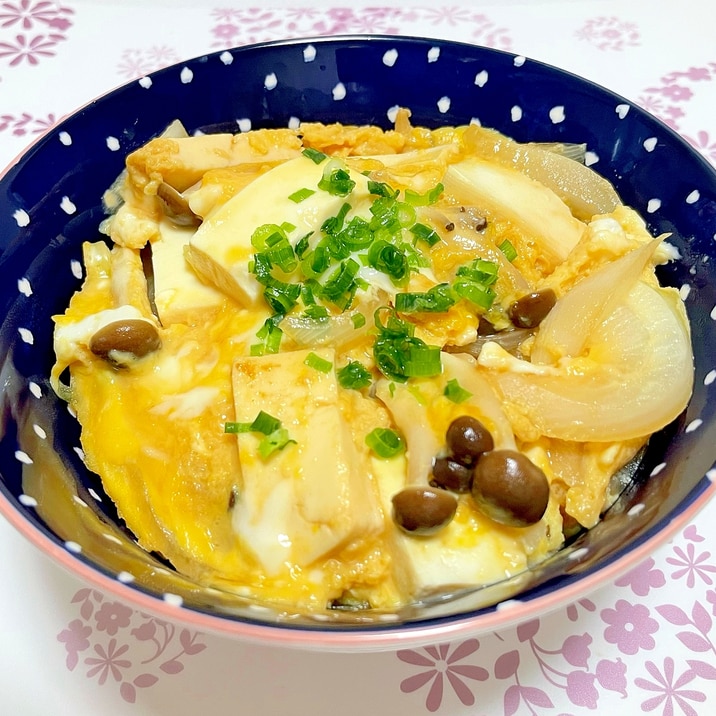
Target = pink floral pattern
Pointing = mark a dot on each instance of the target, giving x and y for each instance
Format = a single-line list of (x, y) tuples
[(534, 674), (136, 62), (609, 33), (26, 124), (669, 98), (119, 646), (31, 30), (238, 26)]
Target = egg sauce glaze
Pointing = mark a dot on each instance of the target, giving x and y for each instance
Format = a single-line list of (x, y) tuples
[(311, 525)]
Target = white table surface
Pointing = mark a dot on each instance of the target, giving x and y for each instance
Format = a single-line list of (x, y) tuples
[(646, 643)]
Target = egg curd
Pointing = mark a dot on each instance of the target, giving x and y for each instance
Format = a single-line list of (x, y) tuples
[(282, 324)]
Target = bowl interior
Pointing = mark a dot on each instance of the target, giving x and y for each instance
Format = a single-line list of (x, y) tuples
[(50, 202)]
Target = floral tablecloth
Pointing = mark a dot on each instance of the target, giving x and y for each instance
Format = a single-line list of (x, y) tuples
[(646, 643)]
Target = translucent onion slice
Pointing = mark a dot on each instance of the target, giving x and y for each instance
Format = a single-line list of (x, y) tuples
[(502, 191), (570, 323), (634, 378), (463, 368), (413, 421), (463, 243), (581, 188)]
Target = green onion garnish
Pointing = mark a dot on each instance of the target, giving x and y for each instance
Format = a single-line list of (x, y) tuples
[(337, 182), (265, 423), (301, 194), (424, 233), (333, 224), (314, 155), (400, 355), (389, 259), (231, 427), (341, 280), (379, 188), (270, 336), (429, 197), (282, 297), (315, 262), (477, 293), (262, 234), (455, 392), (277, 440), (302, 245), (385, 442), (275, 437), (508, 250), (356, 235), (437, 299), (354, 375), (480, 271), (318, 313), (315, 361), (358, 320), (422, 361)]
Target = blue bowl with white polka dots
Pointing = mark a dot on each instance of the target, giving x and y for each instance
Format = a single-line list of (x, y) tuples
[(50, 202)]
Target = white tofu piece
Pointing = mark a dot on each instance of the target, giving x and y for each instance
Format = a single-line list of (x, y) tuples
[(177, 288), (311, 499), (221, 248)]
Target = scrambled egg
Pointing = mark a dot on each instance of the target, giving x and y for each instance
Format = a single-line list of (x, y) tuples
[(172, 370)]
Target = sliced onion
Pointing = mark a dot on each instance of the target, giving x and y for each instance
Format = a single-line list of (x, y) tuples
[(570, 323), (413, 421), (634, 378), (464, 369), (331, 331), (466, 243), (507, 193), (581, 188)]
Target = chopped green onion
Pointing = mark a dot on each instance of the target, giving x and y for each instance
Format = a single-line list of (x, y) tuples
[(262, 234), (389, 259), (315, 262), (358, 320), (508, 250), (277, 440), (231, 427), (481, 271), (477, 293), (379, 188), (270, 336), (385, 442), (282, 297), (265, 423), (333, 224), (314, 155), (429, 197), (261, 267), (336, 181), (313, 360), (354, 376), (288, 227), (437, 299), (357, 234), (424, 233), (302, 245), (398, 354), (422, 361), (316, 312), (301, 194), (341, 280), (455, 392)]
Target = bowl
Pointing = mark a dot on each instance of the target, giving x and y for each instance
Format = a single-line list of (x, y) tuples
[(50, 202)]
